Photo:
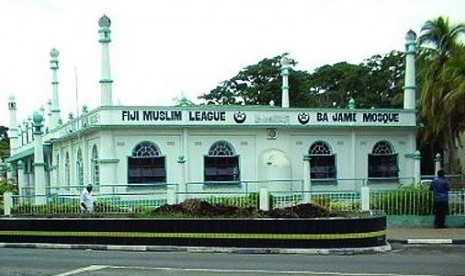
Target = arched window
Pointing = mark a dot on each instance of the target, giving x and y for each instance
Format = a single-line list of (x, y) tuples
[(67, 170), (221, 163), (146, 164), (94, 169), (382, 162), (322, 161), (79, 168)]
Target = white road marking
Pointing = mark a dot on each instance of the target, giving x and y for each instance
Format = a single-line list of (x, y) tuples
[(84, 269), (429, 241), (255, 271)]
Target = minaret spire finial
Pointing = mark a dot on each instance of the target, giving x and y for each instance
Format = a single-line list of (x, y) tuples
[(410, 86), (286, 64), (55, 104), (13, 131), (105, 80)]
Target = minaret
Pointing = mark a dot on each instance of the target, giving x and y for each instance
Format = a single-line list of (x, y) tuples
[(410, 87), (39, 164), (285, 65), (13, 131), (105, 81), (55, 106)]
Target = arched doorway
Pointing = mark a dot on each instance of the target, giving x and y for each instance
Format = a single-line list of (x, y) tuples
[(275, 169)]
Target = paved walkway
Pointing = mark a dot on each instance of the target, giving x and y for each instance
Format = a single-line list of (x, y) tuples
[(410, 234)]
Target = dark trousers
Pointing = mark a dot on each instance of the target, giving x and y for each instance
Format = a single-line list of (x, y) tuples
[(440, 212)]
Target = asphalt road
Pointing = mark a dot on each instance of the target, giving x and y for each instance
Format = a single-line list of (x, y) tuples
[(402, 260)]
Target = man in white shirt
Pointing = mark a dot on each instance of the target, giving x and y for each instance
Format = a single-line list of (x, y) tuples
[(87, 202)]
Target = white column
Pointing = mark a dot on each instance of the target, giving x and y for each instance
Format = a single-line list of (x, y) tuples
[(437, 163), (354, 154), (171, 195), (13, 130), (306, 179), (7, 203), (264, 200), (39, 164), (108, 163), (182, 185), (417, 167), (21, 179), (410, 86), (365, 197), (285, 65), (105, 80), (55, 104)]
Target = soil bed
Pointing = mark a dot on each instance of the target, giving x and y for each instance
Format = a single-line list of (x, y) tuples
[(197, 208)]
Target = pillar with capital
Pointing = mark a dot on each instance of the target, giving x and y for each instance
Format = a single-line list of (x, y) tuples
[(13, 131), (410, 84), (437, 163), (39, 164), (105, 80), (108, 164), (306, 178), (417, 167), (21, 180), (182, 187), (54, 103), (285, 66)]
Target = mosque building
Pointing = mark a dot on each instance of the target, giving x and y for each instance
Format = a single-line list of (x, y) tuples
[(197, 148)]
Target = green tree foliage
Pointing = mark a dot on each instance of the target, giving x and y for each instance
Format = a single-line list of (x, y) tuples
[(442, 81), (384, 85), (259, 84), (334, 85), (374, 83), (4, 143)]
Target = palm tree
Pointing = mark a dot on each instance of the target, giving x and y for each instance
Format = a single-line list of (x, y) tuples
[(441, 84)]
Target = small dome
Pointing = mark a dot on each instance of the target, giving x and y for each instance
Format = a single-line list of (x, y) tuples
[(285, 61), (37, 118), (411, 36), (104, 22), (54, 53)]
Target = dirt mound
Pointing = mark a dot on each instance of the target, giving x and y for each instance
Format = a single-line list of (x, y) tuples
[(307, 210), (198, 208)]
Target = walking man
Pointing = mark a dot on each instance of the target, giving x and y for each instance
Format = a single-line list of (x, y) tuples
[(87, 202), (440, 188)]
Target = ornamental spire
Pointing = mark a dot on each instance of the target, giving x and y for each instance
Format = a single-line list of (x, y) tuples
[(410, 86), (105, 80)]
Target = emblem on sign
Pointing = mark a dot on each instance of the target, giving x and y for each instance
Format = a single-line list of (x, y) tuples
[(239, 117), (303, 118)]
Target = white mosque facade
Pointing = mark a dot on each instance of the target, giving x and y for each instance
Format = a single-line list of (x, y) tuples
[(223, 148)]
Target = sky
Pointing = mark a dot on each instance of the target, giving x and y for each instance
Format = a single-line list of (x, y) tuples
[(161, 49)]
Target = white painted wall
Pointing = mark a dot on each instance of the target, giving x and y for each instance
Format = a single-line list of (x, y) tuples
[(252, 144)]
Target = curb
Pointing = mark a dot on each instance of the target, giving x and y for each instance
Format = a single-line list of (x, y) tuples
[(143, 248), (428, 241)]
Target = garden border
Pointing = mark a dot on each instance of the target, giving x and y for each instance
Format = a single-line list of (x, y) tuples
[(210, 232)]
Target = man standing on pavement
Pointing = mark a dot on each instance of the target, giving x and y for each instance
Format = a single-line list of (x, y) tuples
[(87, 202), (440, 188)]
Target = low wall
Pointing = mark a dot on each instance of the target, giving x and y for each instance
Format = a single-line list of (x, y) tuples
[(257, 233)]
